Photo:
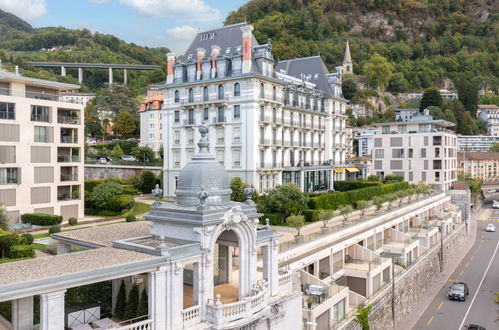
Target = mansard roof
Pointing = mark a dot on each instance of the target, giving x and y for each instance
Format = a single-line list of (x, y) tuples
[(310, 69), (228, 38)]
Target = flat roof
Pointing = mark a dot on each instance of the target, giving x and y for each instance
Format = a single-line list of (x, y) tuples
[(105, 235), (440, 122), (9, 76)]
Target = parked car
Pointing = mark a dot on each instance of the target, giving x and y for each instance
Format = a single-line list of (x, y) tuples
[(495, 204), (458, 291), (474, 327), (491, 191), (104, 160), (91, 141), (129, 158), (490, 227)]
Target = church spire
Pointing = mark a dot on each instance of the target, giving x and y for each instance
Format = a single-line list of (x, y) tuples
[(347, 60)]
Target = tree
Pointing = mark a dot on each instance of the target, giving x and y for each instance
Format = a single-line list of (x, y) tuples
[(296, 221), (345, 211), (237, 186), (494, 147), (114, 99), (117, 152), (362, 206), (284, 200), (143, 154), (467, 93), (161, 153), (119, 308), (132, 304), (4, 218), (147, 182), (93, 125), (398, 83), (325, 216), (143, 304), (125, 124), (431, 96), (349, 87), (362, 316), (104, 194), (379, 71)]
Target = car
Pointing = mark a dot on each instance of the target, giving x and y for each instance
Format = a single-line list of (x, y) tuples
[(458, 291), (91, 141), (474, 327), (490, 227), (104, 160), (491, 191), (129, 158), (495, 204)]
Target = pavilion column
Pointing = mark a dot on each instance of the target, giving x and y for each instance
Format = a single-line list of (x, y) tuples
[(157, 298), (270, 266), (22, 313), (52, 310), (247, 268), (174, 296), (195, 283), (80, 75), (110, 75)]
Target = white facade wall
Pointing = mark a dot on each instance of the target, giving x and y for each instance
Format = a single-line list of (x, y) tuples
[(28, 181), (151, 129)]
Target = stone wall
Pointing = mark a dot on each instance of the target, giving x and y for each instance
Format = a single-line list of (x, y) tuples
[(411, 284), (462, 199), (101, 172)]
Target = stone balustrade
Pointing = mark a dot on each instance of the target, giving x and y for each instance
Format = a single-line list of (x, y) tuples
[(191, 316), (142, 325)]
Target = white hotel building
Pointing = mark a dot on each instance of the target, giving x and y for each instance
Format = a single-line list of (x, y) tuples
[(41, 148), (270, 123)]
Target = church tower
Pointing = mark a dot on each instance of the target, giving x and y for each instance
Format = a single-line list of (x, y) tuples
[(347, 60)]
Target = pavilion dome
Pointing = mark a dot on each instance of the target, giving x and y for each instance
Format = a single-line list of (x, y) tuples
[(203, 180)]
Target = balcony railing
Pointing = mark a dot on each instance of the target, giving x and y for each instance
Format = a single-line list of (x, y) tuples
[(219, 120), (68, 197), (69, 177), (68, 120), (69, 139), (189, 122), (68, 159), (317, 300), (191, 316)]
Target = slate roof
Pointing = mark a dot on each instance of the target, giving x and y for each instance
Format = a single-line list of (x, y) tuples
[(307, 67), (224, 37)]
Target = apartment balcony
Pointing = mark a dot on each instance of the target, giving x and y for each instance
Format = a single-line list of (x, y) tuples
[(199, 101), (69, 135), (68, 193), (69, 173), (32, 95), (68, 117), (68, 155), (219, 120), (400, 247), (190, 122)]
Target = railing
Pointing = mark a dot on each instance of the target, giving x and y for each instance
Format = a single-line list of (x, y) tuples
[(69, 177), (189, 122), (68, 120), (69, 139), (355, 299), (67, 197), (142, 325), (32, 95), (315, 301), (68, 159), (284, 279), (218, 120), (40, 118), (191, 315)]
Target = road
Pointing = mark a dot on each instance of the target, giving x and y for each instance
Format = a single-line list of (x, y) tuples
[(480, 270)]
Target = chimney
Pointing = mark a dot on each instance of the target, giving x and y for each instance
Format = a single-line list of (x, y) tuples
[(169, 67), (200, 56), (247, 48), (17, 70), (215, 51)]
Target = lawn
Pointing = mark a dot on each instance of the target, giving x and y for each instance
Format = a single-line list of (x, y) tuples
[(39, 247), (140, 208), (153, 199), (48, 235)]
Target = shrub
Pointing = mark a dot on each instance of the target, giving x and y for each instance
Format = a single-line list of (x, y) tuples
[(296, 221), (40, 219), (143, 304), (325, 216), (91, 184), (29, 238), (103, 195), (284, 200), (121, 202), (362, 206), (311, 215), (131, 218), (391, 178), (119, 308), (21, 251), (378, 201), (148, 182), (129, 189), (73, 221), (353, 185), (132, 303), (275, 219), (54, 229), (345, 211), (4, 218)]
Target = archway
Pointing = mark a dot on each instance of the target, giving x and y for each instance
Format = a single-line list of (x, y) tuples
[(226, 268)]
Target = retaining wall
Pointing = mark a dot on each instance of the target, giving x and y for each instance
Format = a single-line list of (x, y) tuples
[(101, 172)]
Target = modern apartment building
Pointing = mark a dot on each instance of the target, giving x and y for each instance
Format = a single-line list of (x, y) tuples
[(417, 150), (364, 136), (78, 98), (271, 123), (41, 148), (479, 165), (476, 143)]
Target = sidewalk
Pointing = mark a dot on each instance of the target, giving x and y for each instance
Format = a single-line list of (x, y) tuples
[(431, 292)]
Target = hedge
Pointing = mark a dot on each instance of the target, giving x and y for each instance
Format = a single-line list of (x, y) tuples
[(54, 229), (311, 215), (41, 219), (130, 189), (334, 200), (122, 202), (91, 184), (275, 219), (21, 251), (353, 185)]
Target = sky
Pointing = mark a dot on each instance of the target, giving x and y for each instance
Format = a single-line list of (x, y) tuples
[(152, 23)]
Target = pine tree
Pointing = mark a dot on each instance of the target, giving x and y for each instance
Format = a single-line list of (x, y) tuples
[(119, 308), (132, 304), (431, 96), (143, 304)]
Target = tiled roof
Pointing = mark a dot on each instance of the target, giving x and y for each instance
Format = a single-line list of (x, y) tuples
[(476, 155)]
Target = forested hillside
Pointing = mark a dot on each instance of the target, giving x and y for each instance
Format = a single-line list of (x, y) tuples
[(425, 40), (21, 43)]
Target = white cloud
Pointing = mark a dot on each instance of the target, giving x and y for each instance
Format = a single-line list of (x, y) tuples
[(182, 32), (25, 9), (177, 38), (188, 10), (99, 2)]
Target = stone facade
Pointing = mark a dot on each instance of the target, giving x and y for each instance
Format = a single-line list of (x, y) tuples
[(102, 172), (411, 285)]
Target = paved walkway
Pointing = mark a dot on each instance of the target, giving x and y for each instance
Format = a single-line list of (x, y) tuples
[(418, 310)]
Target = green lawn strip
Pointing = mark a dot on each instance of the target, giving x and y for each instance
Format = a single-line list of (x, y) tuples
[(153, 199), (44, 235), (110, 223), (140, 208), (39, 247)]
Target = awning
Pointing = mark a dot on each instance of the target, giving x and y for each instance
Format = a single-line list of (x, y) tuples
[(352, 169), (339, 170)]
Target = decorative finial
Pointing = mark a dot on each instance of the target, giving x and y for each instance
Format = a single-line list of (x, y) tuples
[(217, 299), (203, 196), (203, 143), (267, 223), (249, 191), (157, 192)]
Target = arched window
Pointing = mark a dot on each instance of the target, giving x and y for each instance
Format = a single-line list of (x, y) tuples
[(191, 95), (274, 93), (177, 96), (237, 89), (205, 94), (220, 92)]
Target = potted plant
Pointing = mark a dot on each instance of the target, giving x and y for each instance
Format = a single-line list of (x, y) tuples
[(345, 211), (297, 222), (325, 216), (378, 201), (363, 206), (310, 302)]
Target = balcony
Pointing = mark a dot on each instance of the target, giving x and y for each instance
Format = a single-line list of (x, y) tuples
[(68, 155), (69, 135), (54, 96), (69, 173), (219, 120), (265, 142), (68, 193), (68, 117), (190, 122)]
